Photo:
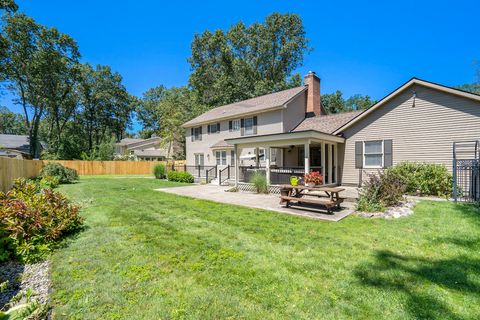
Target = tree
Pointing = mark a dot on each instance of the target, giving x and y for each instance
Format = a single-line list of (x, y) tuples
[(473, 87), (38, 67), (359, 102), (11, 122), (9, 6), (333, 102), (163, 111), (244, 62)]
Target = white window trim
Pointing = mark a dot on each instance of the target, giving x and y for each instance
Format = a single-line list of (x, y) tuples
[(383, 155), (195, 136), (221, 158), (245, 127), (239, 122)]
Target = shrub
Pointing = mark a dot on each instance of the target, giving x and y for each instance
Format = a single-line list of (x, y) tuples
[(35, 219), (159, 171), (48, 182), (259, 182), (381, 190), (64, 175), (180, 176), (425, 178)]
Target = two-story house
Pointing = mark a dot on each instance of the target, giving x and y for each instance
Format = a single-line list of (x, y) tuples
[(288, 133)]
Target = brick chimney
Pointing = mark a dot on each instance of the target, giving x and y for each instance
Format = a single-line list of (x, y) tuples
[(314, 103)]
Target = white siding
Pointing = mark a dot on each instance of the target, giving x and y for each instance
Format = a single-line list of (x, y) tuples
[(424, 132)]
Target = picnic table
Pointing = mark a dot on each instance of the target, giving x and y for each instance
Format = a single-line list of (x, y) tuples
[(303, 194)]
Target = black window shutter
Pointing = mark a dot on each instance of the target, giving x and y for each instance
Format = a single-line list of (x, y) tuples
[(208, 129), (192, 134), (358, 154), (387, 153), (218, 127), (230, 125), (242, 125), (200, 134), (254, 125)]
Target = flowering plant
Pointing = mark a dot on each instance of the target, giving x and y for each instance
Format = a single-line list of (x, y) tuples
[(314, 177)]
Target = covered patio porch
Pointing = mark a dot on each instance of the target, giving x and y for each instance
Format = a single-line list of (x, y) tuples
[(280, 156)]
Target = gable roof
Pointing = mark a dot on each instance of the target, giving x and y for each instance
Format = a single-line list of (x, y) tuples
[(400, 89), (254, 105), (327, 123)]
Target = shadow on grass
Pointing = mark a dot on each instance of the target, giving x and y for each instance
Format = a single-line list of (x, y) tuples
[(414, 276)]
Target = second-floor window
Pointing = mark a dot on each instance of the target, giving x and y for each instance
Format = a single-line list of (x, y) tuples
[(214, 128), (235, 125), (248, 126), (197, 134)]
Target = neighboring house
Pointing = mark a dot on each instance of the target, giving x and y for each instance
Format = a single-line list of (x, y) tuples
[(141, 149), (16, 146), (419, 121)]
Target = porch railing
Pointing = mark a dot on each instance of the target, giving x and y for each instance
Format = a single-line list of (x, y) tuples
[(224, 174), (210, 174), (197, 171), (278, 175)]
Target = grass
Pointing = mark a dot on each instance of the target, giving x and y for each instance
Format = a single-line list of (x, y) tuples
[(152, 255)]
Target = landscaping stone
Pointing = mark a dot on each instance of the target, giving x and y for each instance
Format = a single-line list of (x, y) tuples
[(22, 277), (402, 210)]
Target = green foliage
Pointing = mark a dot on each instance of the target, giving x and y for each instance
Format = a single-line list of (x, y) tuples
[(179, 176), (244, 62), (335, 103), (48, 182), (424, 178), (11, 122), (259, 181), (63, 174), (35, 219), (159, 171), (381, 190)]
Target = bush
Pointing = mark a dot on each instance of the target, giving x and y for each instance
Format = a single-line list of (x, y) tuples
[(381, 190), (259, 181), (64, 175), (33, 220), (180, 176), (425, 178), (159, 171), (48, 182)]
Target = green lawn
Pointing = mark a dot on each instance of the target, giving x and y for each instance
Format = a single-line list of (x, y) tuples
[(151, 255)]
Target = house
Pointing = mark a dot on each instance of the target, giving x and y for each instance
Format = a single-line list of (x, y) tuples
[(16, 146), (141, 149), (418, 121)]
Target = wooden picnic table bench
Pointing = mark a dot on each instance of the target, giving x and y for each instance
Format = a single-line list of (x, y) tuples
[(299, 194)]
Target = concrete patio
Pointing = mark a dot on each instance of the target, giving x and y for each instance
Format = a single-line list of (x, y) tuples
[(258, 201)]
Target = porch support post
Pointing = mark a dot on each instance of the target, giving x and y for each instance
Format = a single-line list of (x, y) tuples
[(306, 147), (256, 156), (323, 161), (330, 162), (237, 164), (336, 163), (267, 164)]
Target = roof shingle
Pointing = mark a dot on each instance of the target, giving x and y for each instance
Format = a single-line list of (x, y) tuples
[(256, 104), (327, 123)]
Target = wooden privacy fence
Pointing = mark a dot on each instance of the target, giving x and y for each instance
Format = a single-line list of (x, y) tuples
[(11, 169), (89, 168)]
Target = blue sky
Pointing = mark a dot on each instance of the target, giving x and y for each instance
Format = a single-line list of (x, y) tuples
[(359, 46)]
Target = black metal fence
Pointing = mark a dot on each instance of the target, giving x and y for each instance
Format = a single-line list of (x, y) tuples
[(466, 171), (278, 175), (225, 174), (209, 172)]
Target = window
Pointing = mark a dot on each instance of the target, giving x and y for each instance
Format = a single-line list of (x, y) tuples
[(214, 128), (236, 125), (199, 160), (248, 126), (232, 157), (197, 134), (221, 157), (373, 154)]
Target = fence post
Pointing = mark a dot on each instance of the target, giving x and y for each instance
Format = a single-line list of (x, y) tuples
[(199, 171), (454, 174), (206, 176), (184, 167), (228, 171)]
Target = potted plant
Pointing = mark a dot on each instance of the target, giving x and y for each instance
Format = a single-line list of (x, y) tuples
[(313, 178)]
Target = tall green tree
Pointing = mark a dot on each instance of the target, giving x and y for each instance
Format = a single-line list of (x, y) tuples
[(243, 62), (11, 122), (8, 6), (162, 112), (359, 102), (38, 67), (335, 103), (473, 87)]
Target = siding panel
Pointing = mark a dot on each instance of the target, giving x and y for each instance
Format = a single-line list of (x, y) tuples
[(424, 132)]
